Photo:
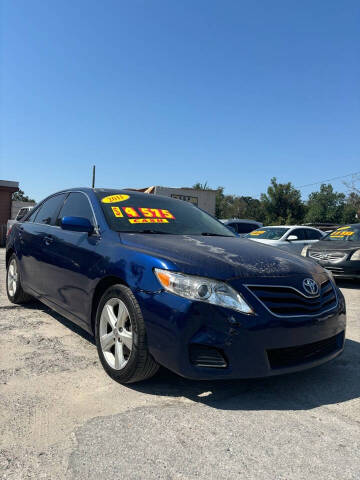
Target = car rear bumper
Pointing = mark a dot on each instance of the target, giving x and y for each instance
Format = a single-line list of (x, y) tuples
[(201, 341)]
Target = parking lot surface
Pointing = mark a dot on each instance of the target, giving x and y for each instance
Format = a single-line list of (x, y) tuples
[(62, 417)]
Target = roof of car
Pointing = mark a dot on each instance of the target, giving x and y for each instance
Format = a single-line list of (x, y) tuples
[(291, 226)]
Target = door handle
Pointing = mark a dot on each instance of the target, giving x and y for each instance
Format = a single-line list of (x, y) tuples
[(48, 240)]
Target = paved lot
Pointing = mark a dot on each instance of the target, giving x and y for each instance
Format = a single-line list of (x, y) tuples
[(61, 417)]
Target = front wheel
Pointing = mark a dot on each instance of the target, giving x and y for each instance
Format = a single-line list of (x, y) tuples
[(121, 337)]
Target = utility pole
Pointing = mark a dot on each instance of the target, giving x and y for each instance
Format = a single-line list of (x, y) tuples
[(93, 177)]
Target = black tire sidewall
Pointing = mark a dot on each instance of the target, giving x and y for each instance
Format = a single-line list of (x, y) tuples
[(125, 295)]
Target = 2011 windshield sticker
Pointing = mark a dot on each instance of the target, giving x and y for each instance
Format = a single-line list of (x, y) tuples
[(143, 214), (115, 198)]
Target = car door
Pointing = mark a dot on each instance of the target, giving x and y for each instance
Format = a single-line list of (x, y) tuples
[(71, 259), (34, 235), (295, 246)]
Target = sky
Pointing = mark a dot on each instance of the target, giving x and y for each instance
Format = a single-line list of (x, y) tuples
[(169, 92)]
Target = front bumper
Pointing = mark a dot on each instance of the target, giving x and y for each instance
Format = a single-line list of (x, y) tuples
[(344, 269), (251, 345)]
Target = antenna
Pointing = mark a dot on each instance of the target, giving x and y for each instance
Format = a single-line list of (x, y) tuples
[(93, 177)]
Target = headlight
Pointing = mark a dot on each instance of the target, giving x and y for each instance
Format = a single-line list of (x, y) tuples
[(355, 255), (304, 250), (202, 289)]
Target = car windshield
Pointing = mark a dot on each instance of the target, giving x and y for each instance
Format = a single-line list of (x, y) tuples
[(268, 233), (153, 214), (350, 233)]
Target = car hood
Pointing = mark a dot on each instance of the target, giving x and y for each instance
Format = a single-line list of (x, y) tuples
[(338, 246), (221, 257)]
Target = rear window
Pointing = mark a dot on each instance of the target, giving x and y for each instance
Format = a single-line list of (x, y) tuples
[(267, 233), (142, 213)]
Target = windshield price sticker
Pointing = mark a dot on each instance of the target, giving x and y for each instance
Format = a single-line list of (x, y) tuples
[(143, 214), (115, 198), (117, 212), (342, 233), (156, 213), (148, 220), (257, 232)]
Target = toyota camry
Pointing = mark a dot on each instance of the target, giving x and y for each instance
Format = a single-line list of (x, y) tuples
[(158, 281)]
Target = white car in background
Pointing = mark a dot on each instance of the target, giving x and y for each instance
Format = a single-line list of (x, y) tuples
[(21, 214), (291, 238)]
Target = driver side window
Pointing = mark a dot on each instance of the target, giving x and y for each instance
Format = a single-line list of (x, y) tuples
[(299, 232), (76, 205)]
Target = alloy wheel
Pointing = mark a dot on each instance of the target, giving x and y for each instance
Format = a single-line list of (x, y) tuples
[(115, 332), (12, 278)]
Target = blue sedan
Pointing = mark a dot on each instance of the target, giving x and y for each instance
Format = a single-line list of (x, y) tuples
[(160, 282)]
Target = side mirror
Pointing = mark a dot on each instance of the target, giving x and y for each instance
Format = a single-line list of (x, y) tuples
[(291, 238), (77, 224)]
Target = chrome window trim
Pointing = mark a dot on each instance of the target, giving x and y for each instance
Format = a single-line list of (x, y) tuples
[(293, 288)]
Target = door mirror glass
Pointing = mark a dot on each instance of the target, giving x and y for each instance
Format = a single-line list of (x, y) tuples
[(291, 238), (77, 224)]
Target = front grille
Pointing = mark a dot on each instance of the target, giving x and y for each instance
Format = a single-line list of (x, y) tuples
[(205, 356), (335, 269), (289, 302), (288, 357), (332, 257)]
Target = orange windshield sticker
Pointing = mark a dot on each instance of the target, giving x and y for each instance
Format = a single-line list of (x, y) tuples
[(148, 220), (342, 234), (156, 213), (146, 212), (257, 232), (115, 198), (167, 214), (130, 212), (117, 212)]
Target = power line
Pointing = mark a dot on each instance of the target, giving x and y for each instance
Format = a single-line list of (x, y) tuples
[(329, 180)]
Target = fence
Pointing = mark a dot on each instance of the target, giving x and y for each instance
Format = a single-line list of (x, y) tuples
[(2, 235)]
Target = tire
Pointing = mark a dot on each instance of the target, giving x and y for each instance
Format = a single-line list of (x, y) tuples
[(14, 289), (120, 336)]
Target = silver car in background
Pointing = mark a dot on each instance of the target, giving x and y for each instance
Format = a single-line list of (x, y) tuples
[(291, 238)]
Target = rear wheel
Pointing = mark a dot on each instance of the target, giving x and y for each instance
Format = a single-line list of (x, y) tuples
[(14, 289), (121, 337)]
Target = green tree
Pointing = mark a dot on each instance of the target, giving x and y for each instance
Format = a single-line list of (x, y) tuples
[(20, 196), (282, 204), (326, 205), (201, 186)]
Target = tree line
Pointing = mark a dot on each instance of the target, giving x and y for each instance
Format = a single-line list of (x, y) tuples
[(282, 204)]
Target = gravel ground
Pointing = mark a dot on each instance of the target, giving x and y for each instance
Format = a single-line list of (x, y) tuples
[(62, 417)]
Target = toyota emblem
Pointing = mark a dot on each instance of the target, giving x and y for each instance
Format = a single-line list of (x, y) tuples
[(310, 286)]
